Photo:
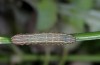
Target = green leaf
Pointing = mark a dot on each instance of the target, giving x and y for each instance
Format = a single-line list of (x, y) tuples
[(78, 22), (84, 4), (47, 15)]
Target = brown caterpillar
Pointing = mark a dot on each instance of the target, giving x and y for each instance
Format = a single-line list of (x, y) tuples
[(43, 38)]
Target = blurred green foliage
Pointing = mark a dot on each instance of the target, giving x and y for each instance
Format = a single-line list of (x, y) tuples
[(51, 14), (47, 14)]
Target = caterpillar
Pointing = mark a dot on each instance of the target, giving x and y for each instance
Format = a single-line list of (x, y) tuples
[(43, 38)]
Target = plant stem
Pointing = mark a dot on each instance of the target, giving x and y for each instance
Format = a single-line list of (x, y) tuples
[(64, 56), (82, 58), (78, 36), (5, 40), (87, 36)]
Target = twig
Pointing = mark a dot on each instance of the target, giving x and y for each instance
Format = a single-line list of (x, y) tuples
[(78, 36)]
